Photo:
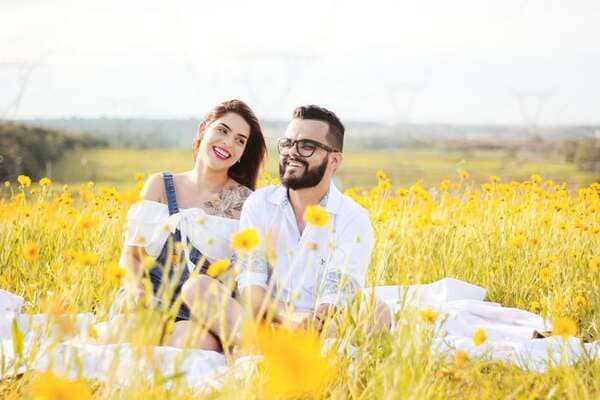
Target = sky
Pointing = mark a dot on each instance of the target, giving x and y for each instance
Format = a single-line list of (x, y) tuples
[(397, 61)]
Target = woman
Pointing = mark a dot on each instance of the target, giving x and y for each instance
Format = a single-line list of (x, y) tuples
[(185, 220)]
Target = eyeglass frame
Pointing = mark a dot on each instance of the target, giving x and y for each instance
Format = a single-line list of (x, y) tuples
[(325, 147)]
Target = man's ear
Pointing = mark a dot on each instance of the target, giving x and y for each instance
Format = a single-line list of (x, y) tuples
[(336, 160)]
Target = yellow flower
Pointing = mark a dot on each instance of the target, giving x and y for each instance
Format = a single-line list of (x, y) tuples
[(463, 174), (401, 192), (24, 180), (245, 240), (564, 327), (272, 256), (148, 262), (31, 252), (218, 267), (536, 179), (580, 302), (139, 176), (545, 274), (460, 358), (292, 364), (45, 182), (86, 222), (428, 315), (595, 264), (87, 259), (317, 216), (516, 241), (380, 175), (479, 337), (48, 386), (115, 271)]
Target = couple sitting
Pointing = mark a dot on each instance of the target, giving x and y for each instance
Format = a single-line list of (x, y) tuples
[(185, 221)]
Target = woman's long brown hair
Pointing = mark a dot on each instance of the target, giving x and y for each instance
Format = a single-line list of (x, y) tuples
[(246, 170)]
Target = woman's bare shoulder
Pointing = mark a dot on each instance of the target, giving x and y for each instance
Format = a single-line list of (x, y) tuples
[(154, 188)]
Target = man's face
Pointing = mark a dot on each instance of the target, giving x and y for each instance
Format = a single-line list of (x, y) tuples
[(296, 171)]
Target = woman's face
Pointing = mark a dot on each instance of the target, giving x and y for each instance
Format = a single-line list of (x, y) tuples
[(223, 141)]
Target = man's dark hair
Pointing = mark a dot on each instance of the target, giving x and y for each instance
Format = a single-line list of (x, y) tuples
[(335, 135)]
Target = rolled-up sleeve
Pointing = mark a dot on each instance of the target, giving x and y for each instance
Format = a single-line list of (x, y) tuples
[(345, 272), (253, 267)]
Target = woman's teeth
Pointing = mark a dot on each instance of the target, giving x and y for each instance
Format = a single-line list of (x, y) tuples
[(221, 153)]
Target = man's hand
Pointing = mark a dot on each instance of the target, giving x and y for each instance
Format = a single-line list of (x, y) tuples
[(317, 320)]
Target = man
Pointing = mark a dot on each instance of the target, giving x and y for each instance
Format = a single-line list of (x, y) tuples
[(299, 266)]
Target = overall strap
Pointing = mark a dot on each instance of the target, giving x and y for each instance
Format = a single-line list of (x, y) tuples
[(170, 192)]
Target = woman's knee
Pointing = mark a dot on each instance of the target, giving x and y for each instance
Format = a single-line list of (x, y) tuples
[(198, 286)]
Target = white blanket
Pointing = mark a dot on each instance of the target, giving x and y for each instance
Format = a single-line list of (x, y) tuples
[(460, 306)]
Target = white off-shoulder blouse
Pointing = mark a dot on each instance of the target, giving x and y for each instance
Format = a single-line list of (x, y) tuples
[(149, 225)]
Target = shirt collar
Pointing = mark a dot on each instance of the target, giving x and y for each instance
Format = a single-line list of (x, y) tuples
[(331, 201)]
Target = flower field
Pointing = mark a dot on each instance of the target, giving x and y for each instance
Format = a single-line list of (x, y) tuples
[(533, 244)]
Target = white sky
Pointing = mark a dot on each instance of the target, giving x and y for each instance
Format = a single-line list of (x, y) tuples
[(474, 61)]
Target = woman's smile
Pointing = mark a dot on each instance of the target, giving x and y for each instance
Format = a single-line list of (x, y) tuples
[(221, 153)]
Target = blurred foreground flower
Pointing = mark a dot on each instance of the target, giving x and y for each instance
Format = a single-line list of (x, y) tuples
[(293, 365), (479, 337), (45, 182), (218, 267), (24, 180), (428, 315), (564, 327), (48, 386), (245, 240), (460, 358), (317, 216)]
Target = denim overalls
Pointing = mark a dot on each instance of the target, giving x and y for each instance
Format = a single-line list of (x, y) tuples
[(156, 272)]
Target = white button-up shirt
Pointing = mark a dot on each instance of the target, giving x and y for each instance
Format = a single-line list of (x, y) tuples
[(320, 265)]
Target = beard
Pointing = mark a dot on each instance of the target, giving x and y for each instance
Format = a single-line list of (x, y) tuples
[(309, 178)]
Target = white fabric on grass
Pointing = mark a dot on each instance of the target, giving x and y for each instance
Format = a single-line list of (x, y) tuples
[(461, 305)]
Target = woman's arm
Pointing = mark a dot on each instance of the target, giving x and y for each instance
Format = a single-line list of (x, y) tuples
[(133, 256)]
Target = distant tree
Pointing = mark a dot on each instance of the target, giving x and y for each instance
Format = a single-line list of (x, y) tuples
[(27, 151)]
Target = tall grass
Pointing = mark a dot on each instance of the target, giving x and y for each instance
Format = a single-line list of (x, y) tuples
[(533, 244)]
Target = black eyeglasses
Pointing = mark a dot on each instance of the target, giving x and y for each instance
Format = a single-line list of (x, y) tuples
[(304, 147)]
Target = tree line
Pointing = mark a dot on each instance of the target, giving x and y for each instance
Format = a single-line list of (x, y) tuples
[(30, 151)]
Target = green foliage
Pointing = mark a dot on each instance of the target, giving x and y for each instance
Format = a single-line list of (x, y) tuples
[(116, 167), (28, 150), (585, 153)]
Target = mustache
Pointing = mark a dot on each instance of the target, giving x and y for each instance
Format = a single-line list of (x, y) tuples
[(287, 159)]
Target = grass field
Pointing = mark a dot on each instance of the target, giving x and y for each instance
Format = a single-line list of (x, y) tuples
[(404, 167), (532, 244)]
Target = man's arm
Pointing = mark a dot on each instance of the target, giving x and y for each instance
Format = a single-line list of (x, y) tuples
[(345, 272), (253, 277)]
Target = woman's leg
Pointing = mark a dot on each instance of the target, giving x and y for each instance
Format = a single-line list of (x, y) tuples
[(210, 302), (188, 334)]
